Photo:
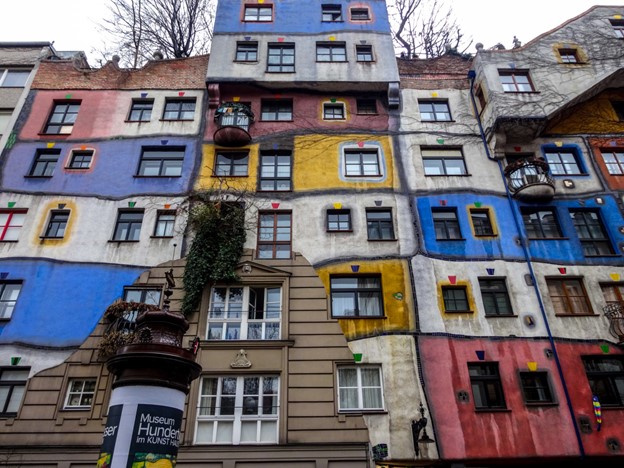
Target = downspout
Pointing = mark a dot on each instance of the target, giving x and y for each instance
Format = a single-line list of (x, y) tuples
[(527, 257)]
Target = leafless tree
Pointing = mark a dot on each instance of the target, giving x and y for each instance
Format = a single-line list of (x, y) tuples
[(138, 28), (425, 27)]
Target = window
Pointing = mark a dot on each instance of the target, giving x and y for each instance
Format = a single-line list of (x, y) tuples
[(591, 232), (359, 388), (495, 297), (244, 313), (361, 163), (568, 55), (274, 235), (333, 111), (277, 110), (331, 52), (487, 389), (359, 14), (9, 292), (259, 13), (606, 378), (331, 13), (568, 296), (161, 162), (364, 53), (481, 222), (613, 292), (80, 393), (618, 28), (275, 171), (281, 58), (446, 224), (563, 162), (231, 164), (179, 109), (366, 106), (480, 95), (455, 299), (614, 160), (12, 386), (541, 223), (57, 224), (62, 118), (434, 111), (141, 110), (339, 221), (44, 163), (80, 159), (356, 296), (515, 81), (13, 78), (536, 388), (165, 221), (443, 161), (11, 222), (143, 295), (246, 51), (5, 119), (128, 226), (618, 107), (238, 410), (379, 224)]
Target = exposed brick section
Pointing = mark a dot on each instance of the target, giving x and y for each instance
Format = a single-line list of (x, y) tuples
[(186, 73), (447, 71)]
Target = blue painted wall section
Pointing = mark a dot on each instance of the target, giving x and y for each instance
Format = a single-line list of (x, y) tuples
[(299, 17), (112, 172), (61, 303)]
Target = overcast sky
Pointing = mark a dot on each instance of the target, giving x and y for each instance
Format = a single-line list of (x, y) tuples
[(72, 24)]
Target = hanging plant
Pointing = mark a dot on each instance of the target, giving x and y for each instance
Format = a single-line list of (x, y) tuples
[(219, 229), (121, 316)]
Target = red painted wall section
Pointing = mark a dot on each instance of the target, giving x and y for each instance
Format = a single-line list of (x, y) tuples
[(615, 182), (307, 112), (521, 430)]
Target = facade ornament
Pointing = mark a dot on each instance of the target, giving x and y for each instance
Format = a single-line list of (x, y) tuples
[(241, 361)]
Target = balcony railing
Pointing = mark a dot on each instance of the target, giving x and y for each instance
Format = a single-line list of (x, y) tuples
[(233, 120), (615, 313), (529, 179)]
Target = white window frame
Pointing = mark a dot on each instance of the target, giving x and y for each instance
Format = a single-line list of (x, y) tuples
[(360, 389), (4, 73), (267, 425), (347, 170), (11, 223), (80, 392), (332, 116), (234, 323)]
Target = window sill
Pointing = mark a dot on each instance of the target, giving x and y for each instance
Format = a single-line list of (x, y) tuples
[(48, 135), (355, 412), (492, 410), (365, 61), (345, 231), (486, 236), (136, 176), (78, 409), (459, 312), (37, 177), (450, 240), (577, 315), (438, 121), (276, 120), (537, 405), (246, 61), (159, 237), (522, 92), (382, 240), (500, 316), (332, 61), (137, 121), (177, 120), (268, 71), (77, 169), (448, 175), (359, 317), (8, 241), (51, 238), (115, 241), (228, 176)]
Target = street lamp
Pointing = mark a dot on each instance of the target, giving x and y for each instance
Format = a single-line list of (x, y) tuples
[(418, 427)]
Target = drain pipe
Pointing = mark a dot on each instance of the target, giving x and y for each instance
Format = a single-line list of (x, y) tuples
[(527, 256)]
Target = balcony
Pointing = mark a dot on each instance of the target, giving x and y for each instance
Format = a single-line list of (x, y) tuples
[(615, 313), (530, 180), (233, 120)]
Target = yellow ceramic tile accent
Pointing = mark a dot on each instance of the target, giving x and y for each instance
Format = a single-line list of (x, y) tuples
[(399, 313), (45, 216)]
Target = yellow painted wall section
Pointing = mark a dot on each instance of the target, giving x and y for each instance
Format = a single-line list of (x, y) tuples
[(396, 291), (318, 159), (207, 180), (594, 116), (43, 223)]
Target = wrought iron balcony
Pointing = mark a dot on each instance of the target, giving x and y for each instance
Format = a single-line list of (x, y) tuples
[(233, 120), (530, 180), (615, 313)]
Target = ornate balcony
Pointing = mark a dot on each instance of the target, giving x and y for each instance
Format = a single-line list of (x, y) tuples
[(530, 180), (615, 313), (233, 120)]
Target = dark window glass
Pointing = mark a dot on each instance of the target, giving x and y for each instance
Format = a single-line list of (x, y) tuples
[(362, 163), (364, 53), (568, 296), (165, 221), (275, 171), (606, 378), (331, 52), (618, 107), (495, 296), (443, 162), (487, 389), (536, 388), (333, 111), (455, 299), (281, 58), (161, 162), (618, 28), (568, 55), (231, 164), (44, 163), (80, 160), (379, 225), (12, 387), (141, 110), (446, 224), (274, 235), (356, 296), (591, 232), (179, 109), (247, 52), (277, 110), (13, 78), (360, 14), (128, 226), (367, 106), (434, 111), (259, 13), (57, 224), (614, 160), (9, 292), (331, 13), (481, 222), (563, 162), (338, 220), (516, 81), (62, 118), (541, 223)]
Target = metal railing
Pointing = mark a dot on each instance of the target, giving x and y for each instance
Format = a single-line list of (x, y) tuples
[(615, 313), (528, 172)]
